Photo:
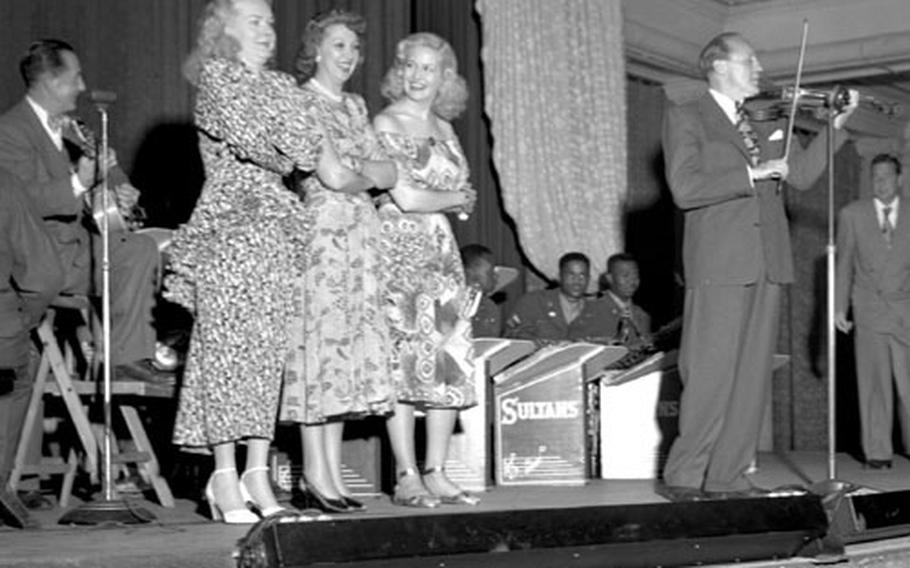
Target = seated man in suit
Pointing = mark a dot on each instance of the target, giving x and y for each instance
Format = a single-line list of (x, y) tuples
[(30, 277), (479, 271), (565, 313), (36, 135), (632, 324)]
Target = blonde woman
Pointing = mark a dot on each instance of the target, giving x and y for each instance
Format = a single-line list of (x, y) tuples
[(234, 260), (430, 305)]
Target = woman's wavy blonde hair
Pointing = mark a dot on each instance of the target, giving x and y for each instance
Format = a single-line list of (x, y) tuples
[(452, 98), (211, 39)]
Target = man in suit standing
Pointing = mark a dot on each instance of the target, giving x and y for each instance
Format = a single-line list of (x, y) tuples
[(30, 277), (34, 139), (873, 276), (736, 256)]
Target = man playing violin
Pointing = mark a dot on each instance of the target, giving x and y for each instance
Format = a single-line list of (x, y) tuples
[(736, 255), (34, 138)]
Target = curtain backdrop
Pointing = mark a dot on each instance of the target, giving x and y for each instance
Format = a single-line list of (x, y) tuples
[(555, 94), (459, 24)]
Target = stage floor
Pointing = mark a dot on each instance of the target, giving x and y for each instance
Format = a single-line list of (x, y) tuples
[(184, 537)]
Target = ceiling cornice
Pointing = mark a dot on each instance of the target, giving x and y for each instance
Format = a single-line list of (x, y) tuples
[(664, 37)]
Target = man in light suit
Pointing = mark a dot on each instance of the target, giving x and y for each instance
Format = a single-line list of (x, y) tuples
[(34, 146), (873, 277), (736, 256)]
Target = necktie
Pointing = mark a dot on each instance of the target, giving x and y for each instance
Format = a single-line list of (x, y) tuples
[(750, 138), (56, 123), (624, 330), (887, 227)]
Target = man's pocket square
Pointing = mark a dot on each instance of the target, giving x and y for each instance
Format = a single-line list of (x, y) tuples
[(776, 135)]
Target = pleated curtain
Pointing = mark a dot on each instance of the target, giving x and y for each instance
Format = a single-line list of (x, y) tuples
[(554, 81)]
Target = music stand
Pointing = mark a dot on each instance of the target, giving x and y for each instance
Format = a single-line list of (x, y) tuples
[(109, 509)]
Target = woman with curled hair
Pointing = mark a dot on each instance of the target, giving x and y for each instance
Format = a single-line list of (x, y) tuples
[(429, 303), (234, 261), (338, 368)]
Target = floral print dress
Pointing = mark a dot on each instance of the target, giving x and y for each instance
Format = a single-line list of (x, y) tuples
[(234, 261), (338, 365), (428, 303)]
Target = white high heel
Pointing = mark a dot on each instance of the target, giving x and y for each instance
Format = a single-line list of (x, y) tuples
[(247, 496), (235, 517)]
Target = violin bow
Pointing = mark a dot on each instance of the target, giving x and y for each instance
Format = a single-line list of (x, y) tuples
[(793, 104)]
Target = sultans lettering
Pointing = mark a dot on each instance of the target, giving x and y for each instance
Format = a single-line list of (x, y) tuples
[(512, 410)]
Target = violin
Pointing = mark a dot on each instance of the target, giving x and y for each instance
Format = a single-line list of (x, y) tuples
[(774, 104)]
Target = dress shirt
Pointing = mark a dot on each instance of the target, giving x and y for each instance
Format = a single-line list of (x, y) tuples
[(728, 105), (570, 309), (56, 135), (880, 212)]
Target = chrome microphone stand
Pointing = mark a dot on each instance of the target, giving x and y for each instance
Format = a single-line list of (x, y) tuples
[(832, 486), (109, 509)]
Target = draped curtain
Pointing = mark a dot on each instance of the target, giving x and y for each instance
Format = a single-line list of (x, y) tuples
[(554, 81)]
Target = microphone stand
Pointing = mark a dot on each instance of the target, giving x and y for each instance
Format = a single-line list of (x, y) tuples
[(110, 509), (831, 486)]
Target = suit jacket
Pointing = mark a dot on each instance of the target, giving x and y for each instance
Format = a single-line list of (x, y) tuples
[(733, 230), (640, 319), (28, 152), (872, 277), (538, 315), (30, 272)]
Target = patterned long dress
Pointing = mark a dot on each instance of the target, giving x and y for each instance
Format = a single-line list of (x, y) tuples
[(428, 303), (234, 260), (338, 365)]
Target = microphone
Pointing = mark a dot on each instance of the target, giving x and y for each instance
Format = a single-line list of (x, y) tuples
[(102, 98)]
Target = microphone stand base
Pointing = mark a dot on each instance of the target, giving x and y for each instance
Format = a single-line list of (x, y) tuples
[(830, 488), (113, 512)]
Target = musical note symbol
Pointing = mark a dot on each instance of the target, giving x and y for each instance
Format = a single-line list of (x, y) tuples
[(533, 463)]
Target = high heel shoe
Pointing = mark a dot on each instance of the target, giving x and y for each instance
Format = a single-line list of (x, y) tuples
[(353, 504), (410, 491), (460, 498), (234, 517), (308, 497), (248, 497)]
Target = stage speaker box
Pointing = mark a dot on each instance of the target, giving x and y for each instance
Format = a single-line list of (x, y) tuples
[(870, 516), (470, 449), (670, 534), (541, 415)]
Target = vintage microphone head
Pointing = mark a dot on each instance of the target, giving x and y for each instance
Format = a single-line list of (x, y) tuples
[(102, 98)]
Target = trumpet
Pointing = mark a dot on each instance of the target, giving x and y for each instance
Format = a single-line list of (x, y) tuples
[(837, 99)]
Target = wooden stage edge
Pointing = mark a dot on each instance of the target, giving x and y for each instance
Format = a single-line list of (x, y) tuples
[(182, 537)]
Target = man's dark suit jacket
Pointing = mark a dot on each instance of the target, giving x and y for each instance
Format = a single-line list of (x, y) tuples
[(28, 152), (30, 272), (538, 315), (732, 229), (640, 318)]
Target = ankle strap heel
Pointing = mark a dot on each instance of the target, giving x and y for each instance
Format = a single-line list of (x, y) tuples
[(410, 491), (438, 475)]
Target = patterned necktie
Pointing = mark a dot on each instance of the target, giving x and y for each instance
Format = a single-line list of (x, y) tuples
[(750, 138), (887, 227), (56, 123)]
